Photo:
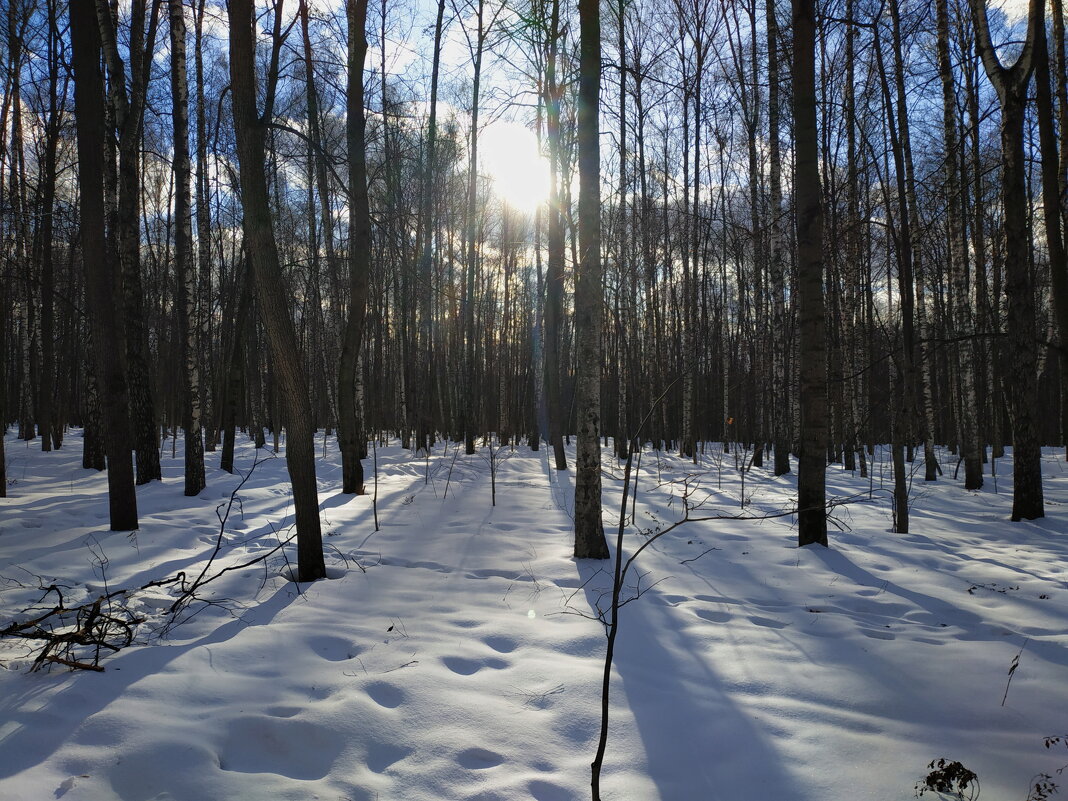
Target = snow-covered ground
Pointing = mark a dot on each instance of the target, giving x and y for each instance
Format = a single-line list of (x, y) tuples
[(453, 653)]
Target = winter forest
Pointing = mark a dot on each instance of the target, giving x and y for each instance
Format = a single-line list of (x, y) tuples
[(511, 399)]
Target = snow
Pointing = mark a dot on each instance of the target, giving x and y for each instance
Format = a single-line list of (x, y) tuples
[(454, 654)]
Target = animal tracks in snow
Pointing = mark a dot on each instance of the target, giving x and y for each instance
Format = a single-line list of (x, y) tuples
[(381, 756), (872, 619), (466, 624), (501, 643), (282, 711), (479, 759), (713, 615), (386, 695), (878, 634), (766, 622), (331, 648), (447, 670), (296, 748), (476, 573), (547, 791), (463, 666)]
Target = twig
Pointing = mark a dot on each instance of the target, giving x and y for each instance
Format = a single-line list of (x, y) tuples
[(1012, 670), (695, 558)]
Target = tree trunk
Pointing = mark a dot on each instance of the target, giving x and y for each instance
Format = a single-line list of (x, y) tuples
[(203, 214), (964, 350), (128, 117), (349, 423), (1053, 215), (93, 445), (590, 541), (470, 240), (1011, 85), (3, 373), (183, 256), (902, 235), (25, 306), (554, 278), (103, 295), (266, 273), (780, 394), (233, 388), (812, 353), (48, 424), (425, 360)]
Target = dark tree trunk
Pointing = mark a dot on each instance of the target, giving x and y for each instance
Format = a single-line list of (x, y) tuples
[(3, 390), (93, 456), (46, 412), (1011, 85), (812, 353), (1053, 215), (128, 116), (349, 424), (233, 392), (902, 238), (103, 295), (266, 272)]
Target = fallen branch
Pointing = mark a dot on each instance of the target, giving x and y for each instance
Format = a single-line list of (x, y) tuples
[(77, 636)]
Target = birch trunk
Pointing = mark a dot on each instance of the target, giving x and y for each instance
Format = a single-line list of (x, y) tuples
[(203, 215), (183, 255), (554, 276), (471, 256), (590, 541), (964, 349), (781, 389)]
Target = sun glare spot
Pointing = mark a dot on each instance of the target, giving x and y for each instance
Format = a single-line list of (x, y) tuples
[(508, 153)]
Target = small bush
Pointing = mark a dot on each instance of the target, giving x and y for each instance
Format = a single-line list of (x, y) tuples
[(950, 778)]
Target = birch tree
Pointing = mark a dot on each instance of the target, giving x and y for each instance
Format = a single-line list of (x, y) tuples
[(590, 541), (183, 255)]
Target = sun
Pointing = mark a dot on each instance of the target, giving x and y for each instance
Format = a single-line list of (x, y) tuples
[(509, 155)]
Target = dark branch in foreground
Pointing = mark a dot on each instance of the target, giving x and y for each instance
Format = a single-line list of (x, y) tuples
[(78, 637)]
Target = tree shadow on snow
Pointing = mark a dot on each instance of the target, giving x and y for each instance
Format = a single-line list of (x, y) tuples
[(960, 623), (28, 717), (696, 739)]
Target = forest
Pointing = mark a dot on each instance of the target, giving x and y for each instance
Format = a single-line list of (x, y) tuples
[(577, 294)]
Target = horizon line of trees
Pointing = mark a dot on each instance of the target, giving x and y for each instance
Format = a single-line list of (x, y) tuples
[(797, 230)]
